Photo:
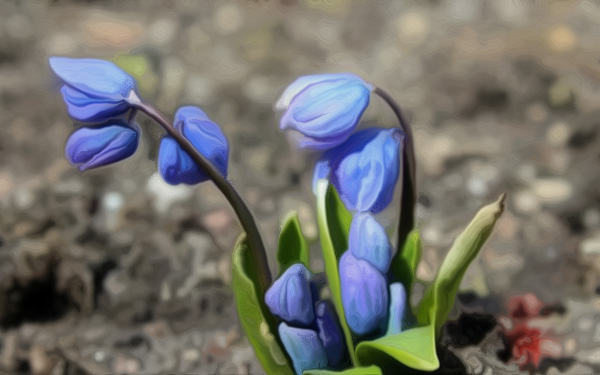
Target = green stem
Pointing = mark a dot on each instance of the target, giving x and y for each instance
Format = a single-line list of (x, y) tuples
[(256, 245), (406, 220)]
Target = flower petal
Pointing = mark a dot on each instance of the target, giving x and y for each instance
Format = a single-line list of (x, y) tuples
[(304, 348), (290, 296), (364, 294), (368, 241), (94, 147)]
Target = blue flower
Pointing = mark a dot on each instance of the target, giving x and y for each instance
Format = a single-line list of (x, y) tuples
[(94, 147), (324, 109), (94, 90), (290, 296), (365, 168), (330, 333), (368, 241), (397, 308), (364, 294), (175, 165), (304, 348)]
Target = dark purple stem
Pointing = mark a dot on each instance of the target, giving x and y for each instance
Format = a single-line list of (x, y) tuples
[(256, 245), (409, 187)]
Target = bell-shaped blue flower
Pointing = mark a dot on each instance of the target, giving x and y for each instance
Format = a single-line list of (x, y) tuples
[(175, 165), (368, 241), (330, 333), (95, 147), (324, 109), (364, 294), (304, 348), (398, 307), (94, 90), (290, 296), (365, 168)]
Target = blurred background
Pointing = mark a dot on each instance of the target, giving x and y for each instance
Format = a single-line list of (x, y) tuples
[(114, 271)]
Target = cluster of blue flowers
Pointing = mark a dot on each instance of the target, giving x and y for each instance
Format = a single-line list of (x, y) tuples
[(104, 98), (322, 112)]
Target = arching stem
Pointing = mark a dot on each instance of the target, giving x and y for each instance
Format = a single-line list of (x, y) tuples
[(406, 220), (256, 245)]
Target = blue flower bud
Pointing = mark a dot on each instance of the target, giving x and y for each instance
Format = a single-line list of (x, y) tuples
[(94, 147), (364, 294), (330, 333), (94, 90), (175, 165), (368, 241), (324, 109), (365, 168), (397, 308), (290, 296), (304, 348)]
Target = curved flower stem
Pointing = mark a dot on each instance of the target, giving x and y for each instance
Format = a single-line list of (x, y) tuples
[(256, 245), (409, 190)]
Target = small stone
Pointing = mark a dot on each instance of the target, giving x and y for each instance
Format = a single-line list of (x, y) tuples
[(40, 363), (552, 190), (590, 246), (165, 195), (558, 134), (562, 39), (526, 201), (228, 19), (125, 364)]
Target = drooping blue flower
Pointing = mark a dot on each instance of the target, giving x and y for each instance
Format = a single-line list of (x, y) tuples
[(324, 109), (304, 348), (330, 333), (397, 308), (365, 168), (94, 90), (290, 296), (364, 294), (368, 241), (92, 147), (175, 165)]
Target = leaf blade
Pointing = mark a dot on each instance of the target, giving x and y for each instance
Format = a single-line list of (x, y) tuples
[(439, 297), (370, 370), (406, 261), (332, 218), (254, 318), (292, 246), (413, 348)]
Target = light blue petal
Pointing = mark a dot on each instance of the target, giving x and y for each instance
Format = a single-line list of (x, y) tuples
[(322, 170), (369, 241), (96, 78), (398, 308), (366, 170), (94, 147), (303, 82), (327, 110), (290, 296), (304, 348), (175, 165), (364, 294), (84, 109)]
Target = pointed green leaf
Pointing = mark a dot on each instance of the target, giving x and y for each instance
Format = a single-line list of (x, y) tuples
[(404, 264), (334, 225), (440, 296), (370, 370), (413, 348), (255, 319), (292, 247)]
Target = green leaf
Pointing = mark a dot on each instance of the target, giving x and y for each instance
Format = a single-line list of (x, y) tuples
[(292, 247), (440, 296), (395, 354), (255, 319), (404, 264), (371, 370), (334, 225)]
